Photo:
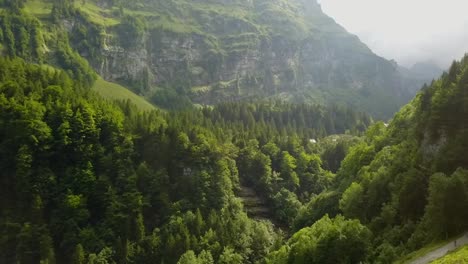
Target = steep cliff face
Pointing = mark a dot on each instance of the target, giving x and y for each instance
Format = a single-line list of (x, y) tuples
[(217, 50)]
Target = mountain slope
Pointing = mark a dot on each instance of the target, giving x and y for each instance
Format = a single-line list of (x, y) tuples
[(408, 182), (210, 51), (426, 70), (114, 91)]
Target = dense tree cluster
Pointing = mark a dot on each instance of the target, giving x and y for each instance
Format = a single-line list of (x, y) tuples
[(79, 185), (84, 180), (327, 241), (21, 36), (408, 182)]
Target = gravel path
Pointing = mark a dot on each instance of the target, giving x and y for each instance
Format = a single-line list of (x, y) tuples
[(442, 251)]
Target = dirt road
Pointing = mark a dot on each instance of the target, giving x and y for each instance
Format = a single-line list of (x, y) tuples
[(442, 251)]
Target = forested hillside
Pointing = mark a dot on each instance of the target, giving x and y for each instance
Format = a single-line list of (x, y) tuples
[(407, 183), (89, 181)]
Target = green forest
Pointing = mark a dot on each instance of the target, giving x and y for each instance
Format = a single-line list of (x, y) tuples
[(88, 180)]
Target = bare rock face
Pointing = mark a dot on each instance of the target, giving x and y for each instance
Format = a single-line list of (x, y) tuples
[(241, 49), (119, 64)]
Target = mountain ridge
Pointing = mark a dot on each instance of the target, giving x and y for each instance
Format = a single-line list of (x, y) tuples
[(208, 52)]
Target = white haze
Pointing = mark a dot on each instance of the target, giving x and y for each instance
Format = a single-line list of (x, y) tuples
[(408, 31)]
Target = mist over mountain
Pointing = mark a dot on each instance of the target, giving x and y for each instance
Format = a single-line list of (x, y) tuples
[(426, 70), (407, 31), (181, 52), (423, 72)]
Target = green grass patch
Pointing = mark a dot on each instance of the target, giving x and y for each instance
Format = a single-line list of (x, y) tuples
[(458, 256), (172, 24), (201, 89), (97, 15), (38, 8), (139, 13), (114, 91), (239, 12)]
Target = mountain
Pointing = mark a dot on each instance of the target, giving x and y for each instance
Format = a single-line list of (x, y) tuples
[(426, 70), (406, 181), (180, 52), (418, 74), (421, 72)]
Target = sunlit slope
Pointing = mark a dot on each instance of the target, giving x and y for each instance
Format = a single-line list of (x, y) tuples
[(459, 256), (114, 91)]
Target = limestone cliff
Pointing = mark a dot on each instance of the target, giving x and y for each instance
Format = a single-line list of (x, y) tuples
[(217, 50)]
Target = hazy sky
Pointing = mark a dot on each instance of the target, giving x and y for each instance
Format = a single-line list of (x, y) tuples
[(408, 31)]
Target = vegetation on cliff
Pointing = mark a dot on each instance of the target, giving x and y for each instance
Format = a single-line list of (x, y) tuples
[(180, 52)]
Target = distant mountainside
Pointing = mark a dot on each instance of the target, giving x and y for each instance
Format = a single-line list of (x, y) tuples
[(421, 72), (207, 51), (426, 70)]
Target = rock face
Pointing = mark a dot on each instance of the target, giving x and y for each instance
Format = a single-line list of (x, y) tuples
[(218, 50)]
